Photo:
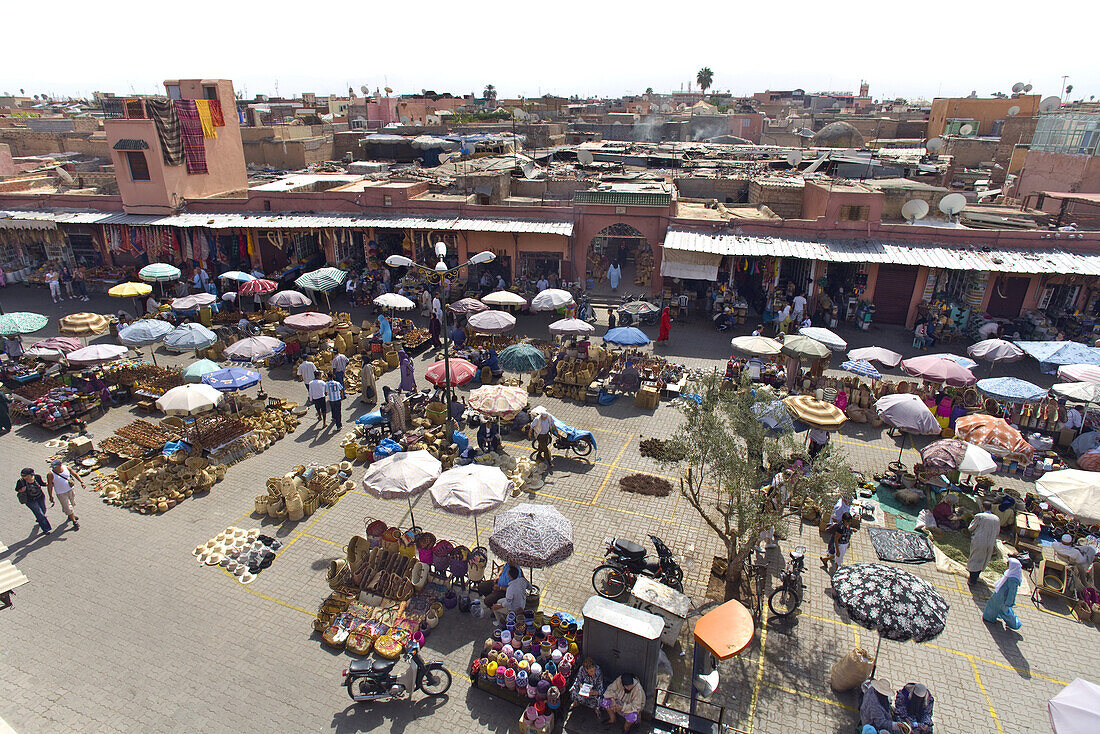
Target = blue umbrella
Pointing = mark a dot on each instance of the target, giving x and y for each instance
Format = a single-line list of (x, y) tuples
[(144, 332), (237, 275), (231, 379), (861, 367), (187, 337), (626, 336), (1053, 354), (1012, 389)]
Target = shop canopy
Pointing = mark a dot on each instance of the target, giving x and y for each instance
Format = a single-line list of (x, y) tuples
[(1052, 355), (1073, 491), (690, 265)]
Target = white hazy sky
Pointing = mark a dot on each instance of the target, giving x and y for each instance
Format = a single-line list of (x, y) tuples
[(528, 48)]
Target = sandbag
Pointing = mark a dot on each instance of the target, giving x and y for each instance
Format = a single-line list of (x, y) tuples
[(851, 670)]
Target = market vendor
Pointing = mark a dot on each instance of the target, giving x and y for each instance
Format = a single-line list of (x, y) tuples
[(458, 337), (493, 590), (946, 512), (1080, 557), (493, 363), (1006, 512), (875, 714), (488, 434), (588, 686), (624, 697), (515, 595), (913, 706)]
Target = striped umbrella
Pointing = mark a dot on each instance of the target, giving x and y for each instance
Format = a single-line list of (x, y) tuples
[(1079, 373), (467, 305), (257, 286), (402, 475), (861, 367), (816, 413), (159, 273), (323, 279), (993, 434), (462, 371), (492, 322), (21, 322), (498, 401), (186, 337), (471, 490), (289, 299), (130, 290), (307, 321), (535, 536), (83, 324), (521, 357)]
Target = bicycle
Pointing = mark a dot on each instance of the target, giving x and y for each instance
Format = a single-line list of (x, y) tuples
[(754, 576), (784, 601)]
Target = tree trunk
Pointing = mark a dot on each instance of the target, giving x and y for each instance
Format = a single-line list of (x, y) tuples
[(735, 563)]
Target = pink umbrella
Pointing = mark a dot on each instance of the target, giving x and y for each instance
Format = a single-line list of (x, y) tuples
[(939, 369), (257, 286), (1089, 461), (64, 344), (308, 321), (462, 371), (1068, 372), (467, 305)]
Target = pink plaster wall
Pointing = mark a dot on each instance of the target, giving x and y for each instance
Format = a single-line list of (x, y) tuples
[(1063, 172)]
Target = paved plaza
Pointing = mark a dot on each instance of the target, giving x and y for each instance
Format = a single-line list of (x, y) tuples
[(119, 630)]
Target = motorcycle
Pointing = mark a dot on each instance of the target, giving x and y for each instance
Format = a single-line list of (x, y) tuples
[(568, 438), (585, 312), (373, 681), (624, 561)]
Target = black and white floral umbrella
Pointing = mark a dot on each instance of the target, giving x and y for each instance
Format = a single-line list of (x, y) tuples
[(894, 603), (535, 536)]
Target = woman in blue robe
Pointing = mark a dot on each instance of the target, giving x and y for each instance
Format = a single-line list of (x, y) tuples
[(384, 329), (1000, 605)]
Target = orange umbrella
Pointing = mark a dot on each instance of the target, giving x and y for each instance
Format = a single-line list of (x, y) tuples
[(726, 630), (83, 324), (993, 434)]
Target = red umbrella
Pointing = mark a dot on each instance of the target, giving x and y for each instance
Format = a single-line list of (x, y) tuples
[(939, 369), (259, 285), (307, 321), (462, 371)]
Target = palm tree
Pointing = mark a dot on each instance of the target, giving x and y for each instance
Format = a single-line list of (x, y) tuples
[(649, 90), (490, 92), (704, 77)]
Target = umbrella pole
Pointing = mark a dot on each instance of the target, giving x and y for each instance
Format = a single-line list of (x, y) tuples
[(153, 353), (477, 536), (875, 664)]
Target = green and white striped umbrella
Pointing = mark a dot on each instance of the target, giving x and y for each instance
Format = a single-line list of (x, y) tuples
[(21, 322), (159, 272), (323, 279)]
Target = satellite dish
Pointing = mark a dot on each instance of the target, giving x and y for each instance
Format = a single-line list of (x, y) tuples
[(952, 204), (404, 120), (914, 209), (666, 107), (794, 157), (585, 157), (1017, 87), (533, 117), (966, 129), (518, 113), (64, 175), (364, 89), (1049, 104), (529, 169), (389, 91), (933, 145), (1013, 110), (1027, 87)]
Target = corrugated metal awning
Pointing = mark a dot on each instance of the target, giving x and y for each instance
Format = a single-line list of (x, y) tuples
[(24, 220), (982, 259)]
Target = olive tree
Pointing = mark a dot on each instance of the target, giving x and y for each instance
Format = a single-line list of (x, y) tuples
[(727, 457)]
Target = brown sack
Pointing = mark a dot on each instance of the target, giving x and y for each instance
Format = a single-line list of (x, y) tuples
[(851, 670)]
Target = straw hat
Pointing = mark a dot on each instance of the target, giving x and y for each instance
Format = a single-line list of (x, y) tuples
[(246, 578)]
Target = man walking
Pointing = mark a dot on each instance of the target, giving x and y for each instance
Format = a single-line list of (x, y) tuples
[(542, 423), (307, 371), (334, 394), (29, 488), (339, 366), (316, 389), (59, 482)]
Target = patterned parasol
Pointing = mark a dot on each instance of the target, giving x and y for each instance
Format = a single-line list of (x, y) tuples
[(257, 286), (83, 324), (895, 603), (462, 371), (1079, 373), (1012, 389), (130, 290), (535, 536), (953, 455), (993, 434), (492, 322), (231, 379), (467, 305), (861, 367), (498, 401), (307, 321), (289, 299), (521, 357), (815, 412), (21, 322)]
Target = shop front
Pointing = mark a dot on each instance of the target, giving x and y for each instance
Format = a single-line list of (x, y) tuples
[(893, 293)]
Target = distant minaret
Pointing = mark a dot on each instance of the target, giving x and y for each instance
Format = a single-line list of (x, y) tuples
[(864, 89)]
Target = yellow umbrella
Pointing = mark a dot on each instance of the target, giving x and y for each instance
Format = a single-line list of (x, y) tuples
[(83, 324), (815, 413), (130, 290)]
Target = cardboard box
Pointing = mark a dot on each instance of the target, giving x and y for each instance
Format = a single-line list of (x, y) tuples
[(80, 445), (647, 398)]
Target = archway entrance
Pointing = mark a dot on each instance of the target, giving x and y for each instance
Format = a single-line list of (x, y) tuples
[(625, 245)]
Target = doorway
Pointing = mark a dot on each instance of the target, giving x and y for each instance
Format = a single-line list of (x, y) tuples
[(625, 245), (1007, 297)]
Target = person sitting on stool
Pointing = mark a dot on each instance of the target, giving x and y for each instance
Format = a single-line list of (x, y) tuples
[(515, 595)]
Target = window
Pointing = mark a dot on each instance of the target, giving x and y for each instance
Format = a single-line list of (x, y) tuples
[(174, 91), (139, 167), (209, 92), (854, 213)]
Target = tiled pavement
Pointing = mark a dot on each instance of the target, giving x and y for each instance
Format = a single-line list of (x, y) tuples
[(119, 629)]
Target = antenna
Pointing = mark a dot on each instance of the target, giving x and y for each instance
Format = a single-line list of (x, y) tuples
[(585, 157), (933, 145), (1017, 87), (1013, 111), (794, 158), (914, 209), (1049, 104), (952, 204)]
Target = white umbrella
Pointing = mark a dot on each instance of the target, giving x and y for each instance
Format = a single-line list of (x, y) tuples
[(289, 299), (1078, 392), (254, 348), (1073, 491), (504, 298), (551, 299), (394, 301), (996, 350), (96, 354), (1076, 708), (402, 475), (492, 322), (760, 346), (826, 337), (876, 354), (190, 399), (573, 327), (977, 460), (471, 490), (194, 301)]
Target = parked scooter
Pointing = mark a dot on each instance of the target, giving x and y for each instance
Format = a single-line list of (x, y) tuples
[(625, 560), (373, 681)]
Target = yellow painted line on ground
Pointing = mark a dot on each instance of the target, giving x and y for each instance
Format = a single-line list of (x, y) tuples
[(324, 540), (811, 696), (759, 672), (988, 701), (873, 446), (611, 470), (280, 602)]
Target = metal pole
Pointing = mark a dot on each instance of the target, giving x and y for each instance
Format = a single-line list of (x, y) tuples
[(694, 671), (875, 665), (412, 517)]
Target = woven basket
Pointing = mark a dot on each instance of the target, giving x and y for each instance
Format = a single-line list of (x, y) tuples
[(261, 504)]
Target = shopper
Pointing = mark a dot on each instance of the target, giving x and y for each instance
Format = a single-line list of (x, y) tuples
[(30, 490), (307, 371), (334, 396), (610, 319), (542, 423), (53, 280), (339, 366), (1001, 605), (80, 277), (819, 439), (840, 534), (666, 325), (59, 482), (624, 697), (437, 307), (983, 543), (67, 281), (316, 389), (408, 377), (5, 416), (493, 590)]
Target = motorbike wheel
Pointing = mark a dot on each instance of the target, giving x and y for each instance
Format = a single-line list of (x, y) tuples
[(436, 680), (582, 447), (363, 685), (784, 601), (609, 581)]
